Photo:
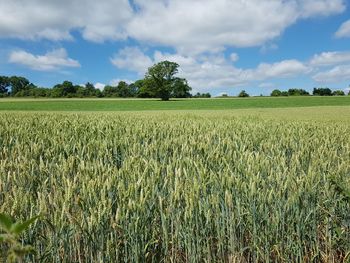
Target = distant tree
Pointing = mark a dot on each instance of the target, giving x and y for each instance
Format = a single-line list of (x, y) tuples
[(297, 92), (133, 89), (66, 89), (338, 93), (98, 93), (28, 91), (322, 92), (147, 89), (202, 95), (123, 90), (40, 92), (284, 93), (276, 93), (91, 91), (180, 88), (110, 91), (140, 90), (243, 94), (160, 80)]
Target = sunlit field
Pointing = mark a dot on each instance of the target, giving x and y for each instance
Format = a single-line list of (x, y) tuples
[(175, 104), (249, 185)]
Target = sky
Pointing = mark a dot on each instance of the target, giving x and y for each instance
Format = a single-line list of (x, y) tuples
[(222, 46)]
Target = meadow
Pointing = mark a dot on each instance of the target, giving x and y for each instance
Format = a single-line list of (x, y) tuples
[(249, 185), (104, 104)]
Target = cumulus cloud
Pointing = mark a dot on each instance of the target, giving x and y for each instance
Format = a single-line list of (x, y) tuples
[(336, 74), (321, 7), (268, 85), (330, 58), (234, 57), (52, 60), (189, 26), (344, 30), (206, 25), (210, 71), (131, 58), (54, 20), (282, 69), (99, 86)]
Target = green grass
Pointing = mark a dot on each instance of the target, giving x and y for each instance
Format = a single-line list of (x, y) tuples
[(181, 104)]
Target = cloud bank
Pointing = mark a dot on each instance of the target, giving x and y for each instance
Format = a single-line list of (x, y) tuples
[(189, 26)]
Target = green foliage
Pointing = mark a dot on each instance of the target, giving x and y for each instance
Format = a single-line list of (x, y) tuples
[(19, 84), (243, 94), (66, 89), (297, 92), (122, 90), (322, 92), (338, 93), (180, 88), (12, 231), (160, 81), (202, 95), (276, 93)]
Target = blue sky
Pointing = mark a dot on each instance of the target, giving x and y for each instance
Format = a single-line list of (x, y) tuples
[(221, 46)]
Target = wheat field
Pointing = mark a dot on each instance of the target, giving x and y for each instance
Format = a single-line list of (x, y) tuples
[(177, 187)]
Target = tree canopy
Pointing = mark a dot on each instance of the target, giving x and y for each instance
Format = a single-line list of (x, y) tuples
[(160, 81), (243, 94)]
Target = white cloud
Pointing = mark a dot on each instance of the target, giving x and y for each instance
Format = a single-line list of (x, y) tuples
[(234, 57), (344, 30), (97, 20), (132, 58), (321, 7), (99, 86), (334, 75), (268, 47), (189, 26), (206, 25), (267, 85), (53, 60), (285, 68), (330, 58), (211, 71)]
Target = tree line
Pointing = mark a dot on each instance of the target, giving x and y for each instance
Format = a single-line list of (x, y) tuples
[(301, 92), (160, 81)]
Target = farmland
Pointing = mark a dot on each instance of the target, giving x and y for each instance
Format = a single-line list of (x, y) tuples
[(176, 104), (183, 186)]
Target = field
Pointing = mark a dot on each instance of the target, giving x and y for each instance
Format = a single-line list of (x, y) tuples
[(180, 104), (245, 185)]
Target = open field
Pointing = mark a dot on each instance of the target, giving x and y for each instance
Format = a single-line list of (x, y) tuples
[(180, 104), (248, 185)]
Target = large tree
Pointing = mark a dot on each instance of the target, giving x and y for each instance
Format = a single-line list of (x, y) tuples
[(161, 82)]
